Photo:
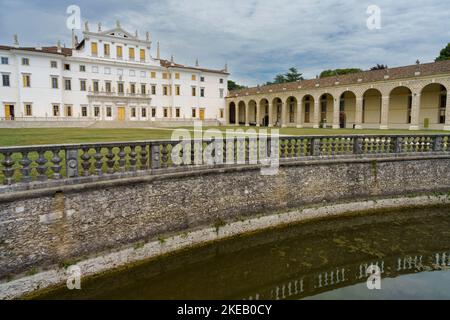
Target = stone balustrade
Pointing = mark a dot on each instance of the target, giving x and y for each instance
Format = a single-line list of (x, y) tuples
[(35, 166)]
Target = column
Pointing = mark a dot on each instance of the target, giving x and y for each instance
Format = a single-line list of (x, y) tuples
[(384, 112), (299, 113), (270, 115), (415, 110), (336, 113), (236, 113), (359, 112), (447, 113), (226, 113), (283, 114), (258, 114), (316, 120), (247, 114)]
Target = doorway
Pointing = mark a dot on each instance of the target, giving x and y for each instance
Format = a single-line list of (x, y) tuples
[(202, 114), (9, 112), (121, 113)]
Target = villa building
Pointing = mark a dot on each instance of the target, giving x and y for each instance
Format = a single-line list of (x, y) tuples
[(109, 75), (411, 97)]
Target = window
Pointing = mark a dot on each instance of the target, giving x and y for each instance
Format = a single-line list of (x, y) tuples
[(107, 70), (5, 80), (56, 110), (307, 111), (120, 87), (84, 111), (68, 110), (53, 64), (202, 79), (221, 81), (221, 113), (28, 110), (133, 112), (82, 68), (119, 52), (165, 75), (177, 90), (67, 67), (94, 69), (442, 104), (106, 50), (143, 74), (131, 53), (153, 89), (153, 74), (144, 113), (221, 93), (82, 85), (166, 112), (108, 86), (165, 90), (97, 112), (194, 77), (95, 85), (25, 61), (142, 55), (94, 48), (5, 60), (194, 91), (109, 112), (342, 105), (177, 76), (177, 112), (67, 84), (143, 88), (132, 88), (153, 112), (132, 73), (194, 113), (202, 92), (119, 72), (26, 80)]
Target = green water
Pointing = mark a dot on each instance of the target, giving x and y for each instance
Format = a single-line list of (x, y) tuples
[(315, 260)]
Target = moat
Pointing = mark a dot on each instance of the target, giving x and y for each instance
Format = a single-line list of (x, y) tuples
[(315, 260)]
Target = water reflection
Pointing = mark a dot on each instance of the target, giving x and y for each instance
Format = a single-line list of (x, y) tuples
[(326, 259)]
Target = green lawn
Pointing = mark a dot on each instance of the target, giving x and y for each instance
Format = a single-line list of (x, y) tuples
[(16, 137)]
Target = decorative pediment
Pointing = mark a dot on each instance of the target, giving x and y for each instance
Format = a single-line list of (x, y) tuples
[(118, 33)]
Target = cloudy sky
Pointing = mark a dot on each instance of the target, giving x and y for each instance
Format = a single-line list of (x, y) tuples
[(258, 38)]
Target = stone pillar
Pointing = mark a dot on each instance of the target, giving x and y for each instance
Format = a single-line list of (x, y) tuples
[(226, 113), (270, 115), (384, 112), (258, 114), (336, 113), (247, 106), (447, 113), (359, 112), (316, 120), (237, 110), (299, 123), (415, 110), (283, 114)]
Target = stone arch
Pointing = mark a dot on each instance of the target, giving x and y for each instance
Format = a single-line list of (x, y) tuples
[(263, 112), (433, 103), (371, 108), (277, 107), (400, 107), (291, 110), (308, 110), (347, 109), (326, 102), (232, 112), (241, 112)]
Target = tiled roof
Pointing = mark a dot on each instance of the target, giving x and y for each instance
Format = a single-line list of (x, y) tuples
[(168, 64), (53, 50), (425, 69)]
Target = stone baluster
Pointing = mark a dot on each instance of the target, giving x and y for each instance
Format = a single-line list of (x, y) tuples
[(110, 160), (56, 167), (357, 145), (41, 166), (8, 169), (143, 157), (98, 161), (122, 159), (85, 164), (133, 158), (156, 156), (437, 144), (26, 169), (165, 155)]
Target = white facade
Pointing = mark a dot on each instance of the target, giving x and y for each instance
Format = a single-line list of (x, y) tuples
[(93, 81)]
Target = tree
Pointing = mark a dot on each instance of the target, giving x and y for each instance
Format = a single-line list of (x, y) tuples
[(444, 54), (338, 72), (234, 86), (379, 67), (291, 76)]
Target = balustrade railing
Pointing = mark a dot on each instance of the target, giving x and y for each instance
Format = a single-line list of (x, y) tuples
[(37, 164)]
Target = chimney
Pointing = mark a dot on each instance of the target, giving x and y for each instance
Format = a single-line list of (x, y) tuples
[(99, 27), (226, 67), (16, 41), (158, 53), (196, 63), (58, 47), (171, 59)]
